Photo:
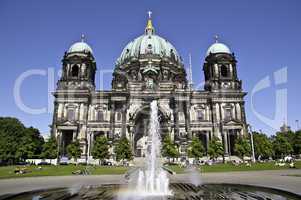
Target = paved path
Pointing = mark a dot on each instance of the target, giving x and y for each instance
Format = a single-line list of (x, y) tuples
[(274, 179)]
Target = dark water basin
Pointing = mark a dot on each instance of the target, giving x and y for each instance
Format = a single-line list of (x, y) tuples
[(182, 191)]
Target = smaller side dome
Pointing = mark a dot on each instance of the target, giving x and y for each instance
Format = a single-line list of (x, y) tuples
[(218, 47), (81, 46)]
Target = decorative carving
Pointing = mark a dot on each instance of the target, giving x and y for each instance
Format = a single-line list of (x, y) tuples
[(165, 75), (149, 69), (134, 74), (150, 83)]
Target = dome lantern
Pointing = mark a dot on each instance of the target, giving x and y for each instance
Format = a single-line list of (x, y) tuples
[(149, 29)]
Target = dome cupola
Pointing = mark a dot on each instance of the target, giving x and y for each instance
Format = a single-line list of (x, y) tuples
[(218, 47), (79, 67), (80, 47)]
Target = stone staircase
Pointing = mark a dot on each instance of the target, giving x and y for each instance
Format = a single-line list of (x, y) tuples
[(139, 161)]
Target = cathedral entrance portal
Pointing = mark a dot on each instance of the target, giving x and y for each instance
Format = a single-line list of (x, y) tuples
[(67, 137), (141, 131), (232, 136)]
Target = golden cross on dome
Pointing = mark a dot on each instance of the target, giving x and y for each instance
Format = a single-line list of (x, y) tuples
[(149, 14), (149, 26)]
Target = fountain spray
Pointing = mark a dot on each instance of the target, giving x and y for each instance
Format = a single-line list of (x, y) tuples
[(152, 180)]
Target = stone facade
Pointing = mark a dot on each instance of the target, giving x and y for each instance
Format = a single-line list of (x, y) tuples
[(149, 68)]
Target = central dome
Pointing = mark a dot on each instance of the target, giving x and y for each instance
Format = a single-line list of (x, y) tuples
[(148, 44)]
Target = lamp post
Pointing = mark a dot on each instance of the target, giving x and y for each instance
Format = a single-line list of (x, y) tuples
[(252, 143)]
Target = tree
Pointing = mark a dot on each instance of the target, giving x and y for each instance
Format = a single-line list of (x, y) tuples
[(242, 147), (196, 148), (297, 143), (74, 150), (18, 142), (215, 148), (281, 146), (169, 149), (262, 145), (50, 149), (123, 149), (31, 144), (100, 149)]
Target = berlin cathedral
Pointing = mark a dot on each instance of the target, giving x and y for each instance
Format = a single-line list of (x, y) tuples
[(149, 68)]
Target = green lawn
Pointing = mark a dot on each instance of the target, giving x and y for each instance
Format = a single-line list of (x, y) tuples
[(230, 167), (108, 170), (8, 171), (62, 170)]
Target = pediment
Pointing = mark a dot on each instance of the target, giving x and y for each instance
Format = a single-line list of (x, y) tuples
[(68, 123), (233, 122)]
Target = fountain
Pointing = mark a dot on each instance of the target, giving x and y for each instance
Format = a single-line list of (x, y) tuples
[(152, 179)]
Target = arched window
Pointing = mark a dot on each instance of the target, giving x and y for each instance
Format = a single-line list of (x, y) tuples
[(118, 116), (228, 114), (100, 116), (70, 115), (224, 71), (200, 115), (74, 71)]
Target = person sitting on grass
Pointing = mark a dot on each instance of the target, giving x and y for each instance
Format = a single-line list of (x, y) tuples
[(235, 163), (292, 165), (280, 164)]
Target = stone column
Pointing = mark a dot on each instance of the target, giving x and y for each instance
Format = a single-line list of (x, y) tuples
[(207, 141), (222, 113), (229, 142), (123, 119), (76, 113), (187, 121), (176, 118), (112, 120), (238, 111), (214, 120), (74, 136), (60, 111), (243, 116), (172, 137), (65, 112), (226, 143), (89, 143), (231, 70), (81, 112), (215, 70), (207, 113), (59, 141), (217, 109)]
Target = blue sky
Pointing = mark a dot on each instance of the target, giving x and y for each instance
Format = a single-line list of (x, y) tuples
[(265, 36)]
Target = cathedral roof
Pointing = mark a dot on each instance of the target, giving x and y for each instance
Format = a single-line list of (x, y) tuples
[(148, 43), (218, 47), (80, 47)]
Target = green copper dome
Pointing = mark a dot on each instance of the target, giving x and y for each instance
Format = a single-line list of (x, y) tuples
[(218, 47), (81, 46), (148, 43)]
